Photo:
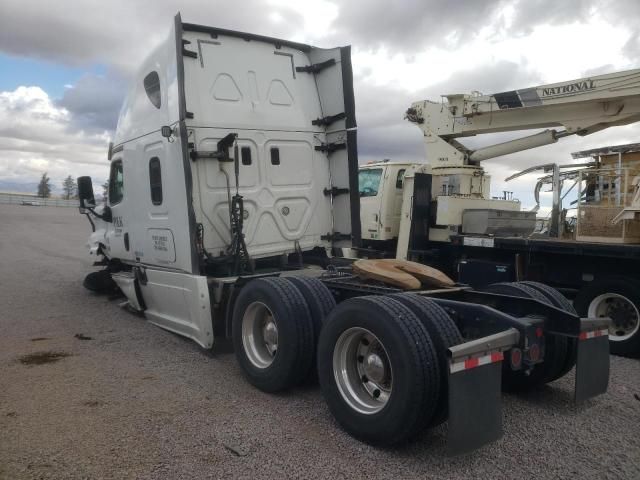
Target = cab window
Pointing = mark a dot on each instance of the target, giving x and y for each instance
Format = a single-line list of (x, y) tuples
[(152, 87), (400, 178), (155, 181), (369, 181), (116, 182)]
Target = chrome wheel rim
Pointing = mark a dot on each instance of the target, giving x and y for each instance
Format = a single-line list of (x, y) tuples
[(625, 318), (259, 335), (362, 370)]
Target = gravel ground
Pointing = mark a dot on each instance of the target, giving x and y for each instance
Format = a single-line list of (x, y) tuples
[(130, 400)]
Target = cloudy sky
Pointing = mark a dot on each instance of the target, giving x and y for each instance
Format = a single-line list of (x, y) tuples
[(65, 66)]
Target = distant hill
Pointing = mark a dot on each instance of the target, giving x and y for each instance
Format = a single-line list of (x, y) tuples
[(7, 186)]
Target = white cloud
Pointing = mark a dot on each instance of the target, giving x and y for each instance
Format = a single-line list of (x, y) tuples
[(317, 17), (35, 138), (402, 52), (547, 50)]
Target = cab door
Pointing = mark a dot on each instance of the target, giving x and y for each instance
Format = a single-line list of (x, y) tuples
[(397, 202), (117, 237), (371, 188)]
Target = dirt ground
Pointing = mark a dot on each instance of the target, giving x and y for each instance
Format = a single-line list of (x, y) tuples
[(89, 390)]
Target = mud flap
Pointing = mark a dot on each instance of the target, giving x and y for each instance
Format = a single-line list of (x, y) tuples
[(592, 364), (475, 379), (475, 408)]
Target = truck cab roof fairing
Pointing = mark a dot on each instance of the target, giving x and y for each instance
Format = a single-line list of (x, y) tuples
[(138, 115), (214, 32)]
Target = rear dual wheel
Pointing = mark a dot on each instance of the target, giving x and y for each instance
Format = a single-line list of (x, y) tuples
[(272, 334), (559, 355), (381, 360), (378, 370), (558, 300), (276, 322)]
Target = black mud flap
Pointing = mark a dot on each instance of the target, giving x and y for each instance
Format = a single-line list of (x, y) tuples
[(475, 391), (592, 364), (475, 408)]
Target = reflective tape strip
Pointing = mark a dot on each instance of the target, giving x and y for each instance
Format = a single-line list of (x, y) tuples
[(593, 334), (476, 362)]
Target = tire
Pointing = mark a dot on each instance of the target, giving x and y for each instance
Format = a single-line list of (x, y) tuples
[(318, 298), (556, 347), (619, 298), (383, 401), (320, 303), (100, 282), (264, 305), (444, 334), (557, 299)]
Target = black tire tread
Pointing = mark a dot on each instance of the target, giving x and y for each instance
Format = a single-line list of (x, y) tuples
[(444, 334), (519, 288), (306, 337), (315, 293), (426, 404), (100, 282), (562, 302), (556, 298)]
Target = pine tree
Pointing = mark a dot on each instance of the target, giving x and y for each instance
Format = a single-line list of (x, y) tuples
[(105, 189), (69, 187), (44, 187)]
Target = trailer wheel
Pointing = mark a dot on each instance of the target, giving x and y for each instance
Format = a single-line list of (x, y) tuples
[(556, 347), (616, 297), (557, 299), (318, 298), (272, 334), (378, 370), (444, 334)]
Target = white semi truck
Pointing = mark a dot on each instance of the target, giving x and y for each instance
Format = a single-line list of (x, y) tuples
[(442, 212), (233, 172)]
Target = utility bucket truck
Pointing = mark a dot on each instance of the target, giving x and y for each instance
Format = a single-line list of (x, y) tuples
[(442, 212), (233, 179)]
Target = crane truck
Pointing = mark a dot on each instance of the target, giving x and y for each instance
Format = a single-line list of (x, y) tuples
[(233, 181), (442, 212)]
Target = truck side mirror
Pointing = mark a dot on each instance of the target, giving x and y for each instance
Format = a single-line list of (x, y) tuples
[(85, 192)]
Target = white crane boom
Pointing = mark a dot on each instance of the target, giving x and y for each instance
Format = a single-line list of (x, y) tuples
[(459, 183), (581, 106)]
